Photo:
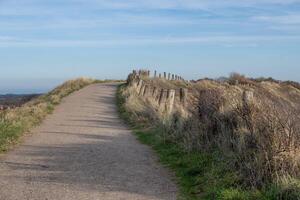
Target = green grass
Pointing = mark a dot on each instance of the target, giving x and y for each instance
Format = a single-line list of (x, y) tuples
[(200, 175)]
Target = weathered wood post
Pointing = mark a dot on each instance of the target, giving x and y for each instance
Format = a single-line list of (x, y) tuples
[(183, 96), (133, 79), (165, 75), (141, 92), (161, 99), (145, 92), (139, 85), (154, 92), (248, 97), (148, 73), (170, 100), (172, 77), (155, 74), (169, 75), (159, 75)]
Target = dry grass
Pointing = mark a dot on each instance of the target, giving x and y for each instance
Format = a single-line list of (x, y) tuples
[(15, 122), (259, 137)]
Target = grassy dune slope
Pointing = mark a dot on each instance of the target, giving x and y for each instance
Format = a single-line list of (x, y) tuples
[(14, 123), (220, 146)]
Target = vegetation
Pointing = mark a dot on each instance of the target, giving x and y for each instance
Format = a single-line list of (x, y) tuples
[(226, 144), (11, 100), (15, 122)]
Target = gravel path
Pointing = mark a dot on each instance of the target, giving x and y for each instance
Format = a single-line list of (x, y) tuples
[(84, 151)]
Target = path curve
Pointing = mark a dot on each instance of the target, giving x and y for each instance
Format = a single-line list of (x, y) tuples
[(84, 151)]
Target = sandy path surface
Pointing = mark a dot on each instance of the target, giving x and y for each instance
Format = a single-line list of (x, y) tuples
[(84, 151)]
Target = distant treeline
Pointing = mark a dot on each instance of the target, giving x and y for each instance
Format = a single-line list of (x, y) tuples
[(15, 100)]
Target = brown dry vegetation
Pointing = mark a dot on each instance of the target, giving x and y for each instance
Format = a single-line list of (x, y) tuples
[(15, 122), (254, 124)]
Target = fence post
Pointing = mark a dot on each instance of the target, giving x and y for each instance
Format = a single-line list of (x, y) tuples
[(133, 81), (155, 74), (183, 95), (169, 76), (139, 85), (141, 92), (248, 97), (145, 92), (161, 97), (154, 92), (170, 100)]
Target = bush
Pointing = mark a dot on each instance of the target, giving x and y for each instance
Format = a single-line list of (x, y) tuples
[(236, 79)]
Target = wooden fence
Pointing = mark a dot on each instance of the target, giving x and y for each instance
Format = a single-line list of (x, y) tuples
[(165, 98)]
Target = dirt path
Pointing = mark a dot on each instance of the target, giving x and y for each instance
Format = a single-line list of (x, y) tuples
[(84, 151)]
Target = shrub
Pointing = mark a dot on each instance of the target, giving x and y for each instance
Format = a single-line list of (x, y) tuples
[(236, 79)]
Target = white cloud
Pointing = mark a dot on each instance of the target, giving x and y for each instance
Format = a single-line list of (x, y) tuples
[(34, 7), (226, 40), (290, 19), (182, 3)]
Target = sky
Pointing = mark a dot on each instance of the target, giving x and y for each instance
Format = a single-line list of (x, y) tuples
[(44, 42)]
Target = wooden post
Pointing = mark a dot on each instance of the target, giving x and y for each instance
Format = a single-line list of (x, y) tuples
[(161, 97), (159, 75), (134, 81), (248, 97), (172, 76), (141, 92), (169, 75), (145, 92), (165, 75), (154, 92), (155, 74), (148, 73), (183, 95), (139, 85), (170, 100)]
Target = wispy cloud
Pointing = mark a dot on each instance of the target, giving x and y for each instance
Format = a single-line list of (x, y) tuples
[(79, 19), (183, 4), (34, 7), (290, 19), (216, 40), (113, 20)]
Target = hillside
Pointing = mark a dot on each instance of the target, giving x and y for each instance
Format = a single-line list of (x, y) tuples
[(84, 151), (236, 138), (15, 100), (17, 121)]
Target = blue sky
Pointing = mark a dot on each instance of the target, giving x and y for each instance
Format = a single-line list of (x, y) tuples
[(45, 42)]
